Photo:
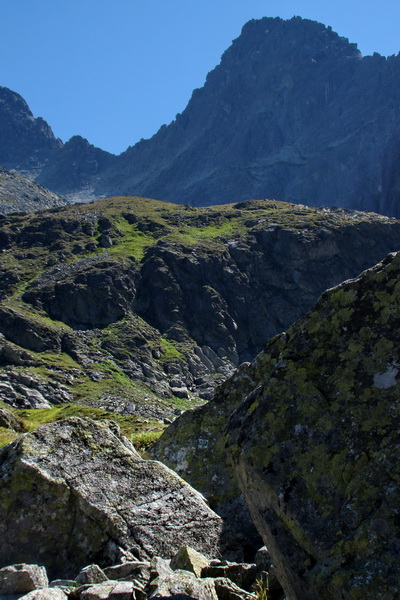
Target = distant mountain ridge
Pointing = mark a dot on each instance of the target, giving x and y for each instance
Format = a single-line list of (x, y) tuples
[(292, 112)]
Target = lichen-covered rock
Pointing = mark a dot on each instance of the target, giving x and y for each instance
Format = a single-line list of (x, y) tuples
[(73, 492), (316, 444)]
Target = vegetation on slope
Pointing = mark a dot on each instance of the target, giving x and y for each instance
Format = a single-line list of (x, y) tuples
[(140, 307)]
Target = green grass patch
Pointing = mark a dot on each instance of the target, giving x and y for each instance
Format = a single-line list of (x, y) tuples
[(7, 436), (169, 351), (142, 434)]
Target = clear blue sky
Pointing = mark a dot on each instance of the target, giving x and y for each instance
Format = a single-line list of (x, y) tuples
[(114, 71)]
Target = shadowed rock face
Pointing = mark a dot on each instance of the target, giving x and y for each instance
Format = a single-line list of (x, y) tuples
[(315, 444), (74, 492)]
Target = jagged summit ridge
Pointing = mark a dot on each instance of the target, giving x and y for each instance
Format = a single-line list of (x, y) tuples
[(25, 142), (292, 112)]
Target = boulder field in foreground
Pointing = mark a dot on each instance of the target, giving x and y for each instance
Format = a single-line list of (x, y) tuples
[(316, 445), (75, 492)]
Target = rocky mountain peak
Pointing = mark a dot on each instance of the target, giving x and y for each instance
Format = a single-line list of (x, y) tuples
[(293, 112), (26, 143), (291, 106)]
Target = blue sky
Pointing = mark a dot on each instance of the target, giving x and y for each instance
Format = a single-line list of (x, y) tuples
[(114, 71)]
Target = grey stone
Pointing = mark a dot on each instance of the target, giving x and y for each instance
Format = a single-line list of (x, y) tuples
[(189, 560), (242, 574), (103, 498), (53, 593), (129, 571), (10, 421), (91, 574), (182, 583), (109, 590), (22, 578), (227, 590)]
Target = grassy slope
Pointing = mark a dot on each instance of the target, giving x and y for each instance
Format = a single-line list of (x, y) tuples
[(135, 225)]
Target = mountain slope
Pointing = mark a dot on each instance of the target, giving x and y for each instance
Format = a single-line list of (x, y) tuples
[(139, 306)]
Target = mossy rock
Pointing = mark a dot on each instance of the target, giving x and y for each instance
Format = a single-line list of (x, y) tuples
[(315, 447)]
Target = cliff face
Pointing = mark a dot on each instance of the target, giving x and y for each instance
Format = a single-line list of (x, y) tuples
[(293, 112), (168, 297)]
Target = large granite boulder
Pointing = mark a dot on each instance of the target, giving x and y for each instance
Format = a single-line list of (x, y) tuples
[(316, 444), (74, 493)]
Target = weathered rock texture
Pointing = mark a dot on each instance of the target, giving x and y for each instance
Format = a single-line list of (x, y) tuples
[(73, 492), (315, 443), (292, 112), (129, 292)]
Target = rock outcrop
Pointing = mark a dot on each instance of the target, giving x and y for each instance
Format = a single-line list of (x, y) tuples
[(315, 443), (74, 492), (292, 112)]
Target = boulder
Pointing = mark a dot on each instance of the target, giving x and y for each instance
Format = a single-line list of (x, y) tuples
[(182, 583), (128, 571), (22, 578), (227, 590), (46, 594), (241, 574), (189, 560), (109, 590), (91, 574), (315, 444), (74, 492)]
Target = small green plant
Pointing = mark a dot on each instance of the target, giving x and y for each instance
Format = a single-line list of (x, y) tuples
[(261, 588)]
